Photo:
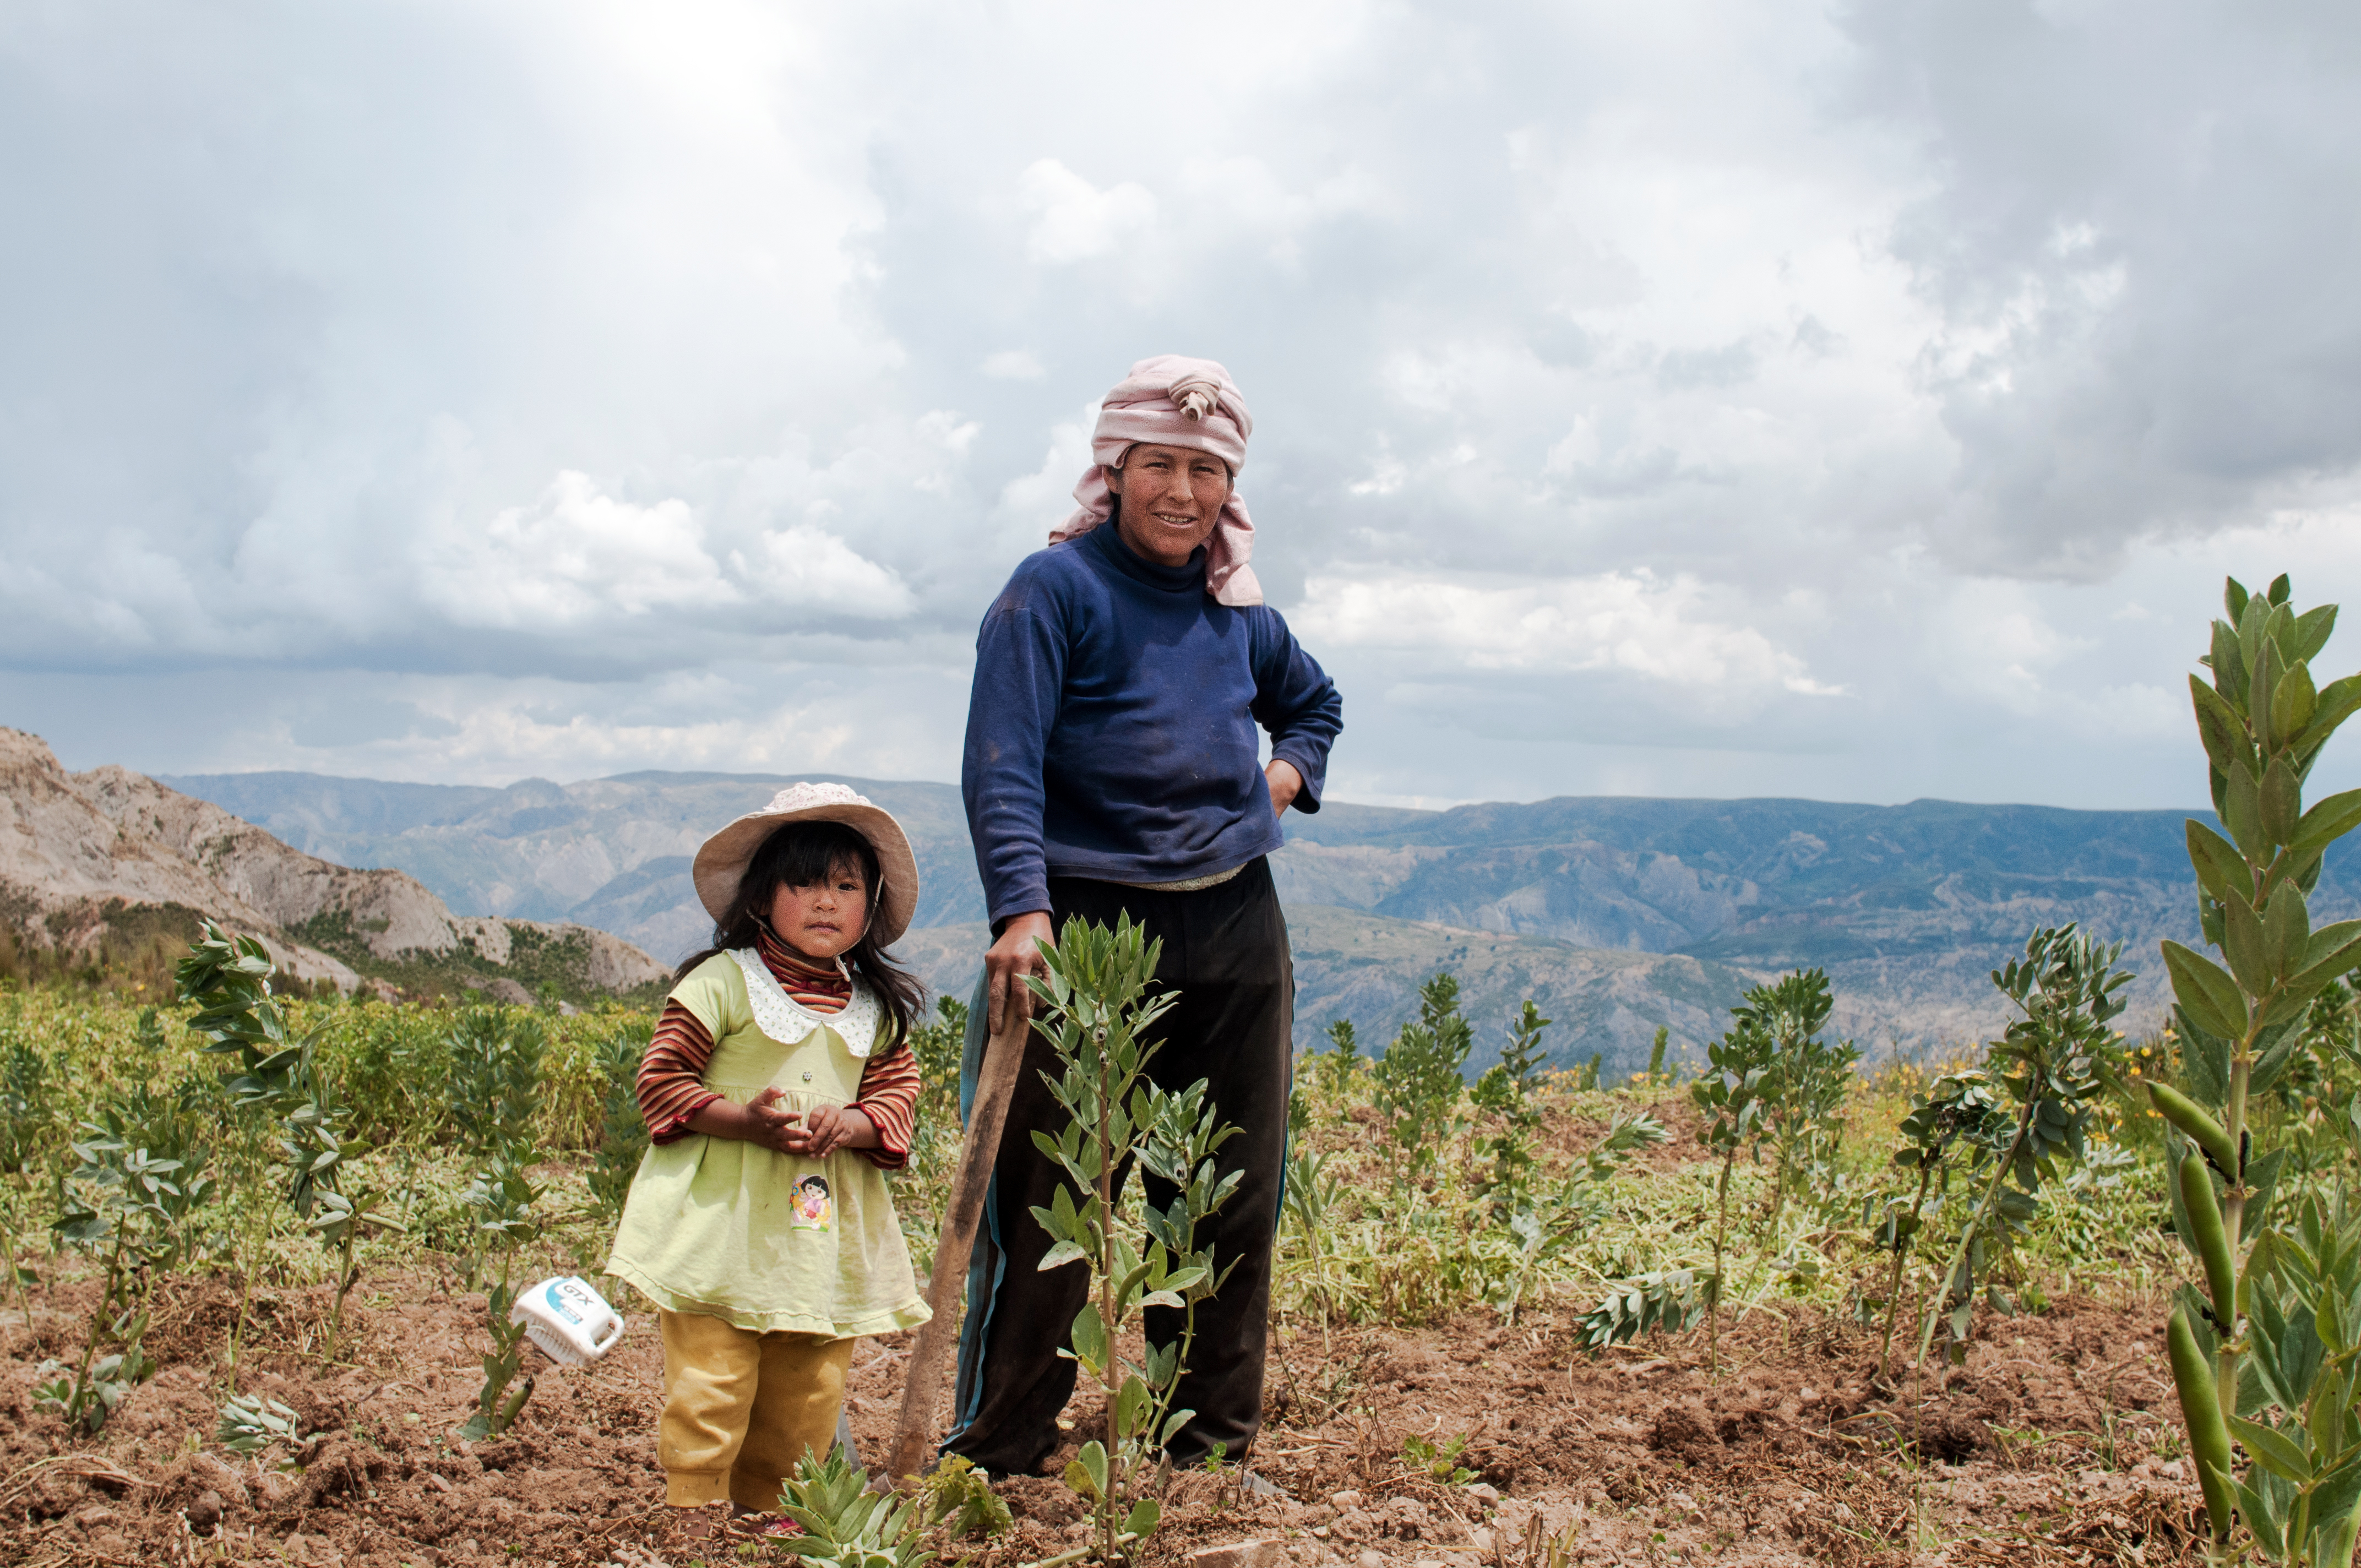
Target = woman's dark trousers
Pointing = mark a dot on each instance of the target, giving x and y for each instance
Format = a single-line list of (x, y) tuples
[(1225, 952)]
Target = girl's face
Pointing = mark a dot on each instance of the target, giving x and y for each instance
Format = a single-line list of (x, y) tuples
[(825, 919)]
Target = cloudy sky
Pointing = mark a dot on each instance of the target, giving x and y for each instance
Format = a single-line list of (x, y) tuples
[(1860, 402)]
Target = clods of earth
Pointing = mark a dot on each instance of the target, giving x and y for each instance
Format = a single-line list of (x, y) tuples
[(1467, 1445)]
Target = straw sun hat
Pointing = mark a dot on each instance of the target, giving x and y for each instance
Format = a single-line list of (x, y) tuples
[(721, 861)]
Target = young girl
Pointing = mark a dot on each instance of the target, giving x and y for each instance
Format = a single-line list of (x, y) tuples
[(779, 1086)]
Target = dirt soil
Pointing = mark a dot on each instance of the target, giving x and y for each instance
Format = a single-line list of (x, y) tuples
[(2043, 1449)]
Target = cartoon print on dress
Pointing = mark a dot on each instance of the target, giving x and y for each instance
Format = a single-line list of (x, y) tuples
[(813, 1208)]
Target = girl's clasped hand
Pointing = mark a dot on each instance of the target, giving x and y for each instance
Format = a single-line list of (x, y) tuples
[(812, 1134)]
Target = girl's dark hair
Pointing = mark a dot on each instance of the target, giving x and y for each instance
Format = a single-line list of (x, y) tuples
[(798, 855)]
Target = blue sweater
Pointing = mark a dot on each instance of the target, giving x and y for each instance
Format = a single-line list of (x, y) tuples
[(1111, 733)]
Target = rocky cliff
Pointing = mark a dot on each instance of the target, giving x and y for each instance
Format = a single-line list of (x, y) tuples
[(110, 861)]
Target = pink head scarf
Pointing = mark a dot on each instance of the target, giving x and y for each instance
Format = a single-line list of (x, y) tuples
[(1173, 401)]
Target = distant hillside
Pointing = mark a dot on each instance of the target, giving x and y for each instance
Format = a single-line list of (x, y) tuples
[(611, 853), (1368, 968), (1907, 906), (112, 863)]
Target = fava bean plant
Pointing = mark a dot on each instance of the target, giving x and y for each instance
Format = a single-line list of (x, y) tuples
[(1509, 1092), (1418, 1076), (1543, 1221), (1809, 1079), (227, 979), (1096, 1008), (2067, 992), (846, 1525), (496, 1075), (28, 1120), (1962, 1114), (1553, 1219), (1734, 1095), (622, 1131), (2265, 1345), (116, 1213), (502, 1200)]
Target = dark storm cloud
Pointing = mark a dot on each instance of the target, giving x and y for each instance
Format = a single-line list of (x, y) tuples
[(2141, 242)]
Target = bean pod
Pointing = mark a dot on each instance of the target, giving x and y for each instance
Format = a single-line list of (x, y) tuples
[(2202, 1130), (2201, 1412), (2213, 1241)]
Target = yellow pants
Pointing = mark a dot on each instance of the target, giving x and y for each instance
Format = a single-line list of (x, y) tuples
[(741, 1408)]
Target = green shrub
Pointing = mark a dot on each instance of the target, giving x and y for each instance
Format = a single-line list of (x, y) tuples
[(1509, 1092), (1805, 1092), (494, 1087), (1418, 1076), (622, 1131)]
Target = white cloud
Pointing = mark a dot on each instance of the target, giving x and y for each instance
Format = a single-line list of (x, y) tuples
[(807, 568), (1073, 220), (574, 555), (1632, 624), (1032, 504), (1012, 365)]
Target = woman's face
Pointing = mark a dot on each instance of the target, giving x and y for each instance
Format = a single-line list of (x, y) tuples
[(1172, 497), (825, 919)]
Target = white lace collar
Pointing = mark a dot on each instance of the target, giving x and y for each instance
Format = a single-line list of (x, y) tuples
[(787, 1021)]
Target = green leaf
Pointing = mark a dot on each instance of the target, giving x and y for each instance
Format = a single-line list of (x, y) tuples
[(2243, 815), (1078, 1479), (1061, 1254), (2258, 1505), (2281, 801), (2329, 940), (2273, 1448), (2337, 701), (2250, 634), (2268, 668), (1090, 1338), (2253, 646), (2222, 870), (2209, 994), (2234, 599), (1133, 1404), (2242, 944), (2219, 727), (2311, 632), (1144, 1515), (2292, 705), (2334, 1498), (2229, 665), (2327, 822), (2287, 930), (2334, 949)]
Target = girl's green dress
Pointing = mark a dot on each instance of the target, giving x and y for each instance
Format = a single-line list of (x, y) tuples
[(757, 1238)]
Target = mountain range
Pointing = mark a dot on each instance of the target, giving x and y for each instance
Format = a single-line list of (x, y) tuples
[(111, 869), (1617, 915)]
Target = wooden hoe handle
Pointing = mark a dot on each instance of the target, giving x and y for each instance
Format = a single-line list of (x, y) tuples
[(1004, 1057)]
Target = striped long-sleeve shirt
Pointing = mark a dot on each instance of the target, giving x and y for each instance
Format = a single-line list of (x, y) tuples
[(672, 1075)]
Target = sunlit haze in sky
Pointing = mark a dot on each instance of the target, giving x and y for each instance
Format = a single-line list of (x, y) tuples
[(1858, 401)]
